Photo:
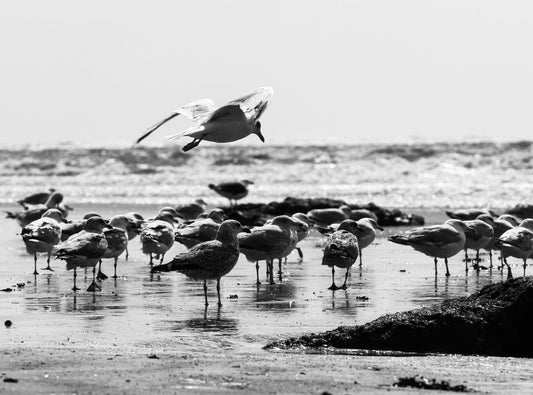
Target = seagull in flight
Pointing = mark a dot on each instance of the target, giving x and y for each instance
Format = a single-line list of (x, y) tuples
[(225, 124)]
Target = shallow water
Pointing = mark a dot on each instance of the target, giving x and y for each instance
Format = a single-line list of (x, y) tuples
[(140, 309)]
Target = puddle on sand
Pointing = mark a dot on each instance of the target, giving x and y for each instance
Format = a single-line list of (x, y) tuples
[(168, 309)]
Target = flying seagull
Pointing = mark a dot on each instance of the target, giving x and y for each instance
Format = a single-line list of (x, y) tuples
[(225, 124)]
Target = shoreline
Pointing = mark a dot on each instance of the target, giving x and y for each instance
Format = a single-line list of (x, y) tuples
[(155, 369)]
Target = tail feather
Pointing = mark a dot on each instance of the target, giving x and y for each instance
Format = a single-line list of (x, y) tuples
[(325, 230), (450, 214), (499, 243), (11, 215), (399, 240), (167, 267)]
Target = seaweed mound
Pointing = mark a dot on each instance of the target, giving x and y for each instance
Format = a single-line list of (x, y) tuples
[(253, 214), (493, 321), (522, 211)]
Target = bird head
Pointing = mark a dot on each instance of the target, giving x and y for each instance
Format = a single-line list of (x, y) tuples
[(256, 129), (459, 225), (97, 225), (217, 215), (351, 226), (90, 214), (228, 230)]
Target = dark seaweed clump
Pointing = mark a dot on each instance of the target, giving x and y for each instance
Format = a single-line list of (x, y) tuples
[(493, 321), (255, 214), (429, 384)]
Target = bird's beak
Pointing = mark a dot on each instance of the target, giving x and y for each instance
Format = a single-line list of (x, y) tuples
[(260, 136)]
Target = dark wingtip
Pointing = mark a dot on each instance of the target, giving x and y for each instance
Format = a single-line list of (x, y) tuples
[(167, 267)]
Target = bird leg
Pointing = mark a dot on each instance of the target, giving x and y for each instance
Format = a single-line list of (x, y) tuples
[(333, 287), (115, 265), (360, 257), (74, 288), (257, 272), (435, 260), (205, 292), (271, 271), (94, 287), (343, 286), (191, 145), (151, 260), (300, 254), (161, 260), (466, 260), (509, 273), (524, 266), (127, 253), (490, 258), (48, 263), (476, 265), (101, 275), (35, 264), (218, 292), (447, 270)]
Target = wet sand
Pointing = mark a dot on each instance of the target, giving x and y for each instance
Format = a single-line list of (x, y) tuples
[(60, 342)]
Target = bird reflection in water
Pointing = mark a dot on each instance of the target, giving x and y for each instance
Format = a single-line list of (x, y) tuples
[(279, 296), (216, 323), (340, 299)]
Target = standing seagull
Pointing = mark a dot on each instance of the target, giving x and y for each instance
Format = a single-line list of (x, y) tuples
[(232, 191), (478, 235), (42, 235), (210, 260), (157, 236), (366, 234), (36, 198), (192, 210), (117, 241), (225, 124), (341, 250), (328, 216), (84, 249), (518, 243), (437, 241), (203, 229), (25, 217)]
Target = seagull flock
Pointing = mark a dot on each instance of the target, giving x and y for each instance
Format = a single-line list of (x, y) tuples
[(214, 242)]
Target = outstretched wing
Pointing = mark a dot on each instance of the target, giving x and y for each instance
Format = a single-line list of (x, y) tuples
[(197, 111), (254, 103)]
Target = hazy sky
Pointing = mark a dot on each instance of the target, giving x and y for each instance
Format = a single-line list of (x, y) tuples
[(101, 72)]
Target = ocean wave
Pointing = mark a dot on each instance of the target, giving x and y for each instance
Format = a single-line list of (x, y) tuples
[(402, 175)]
